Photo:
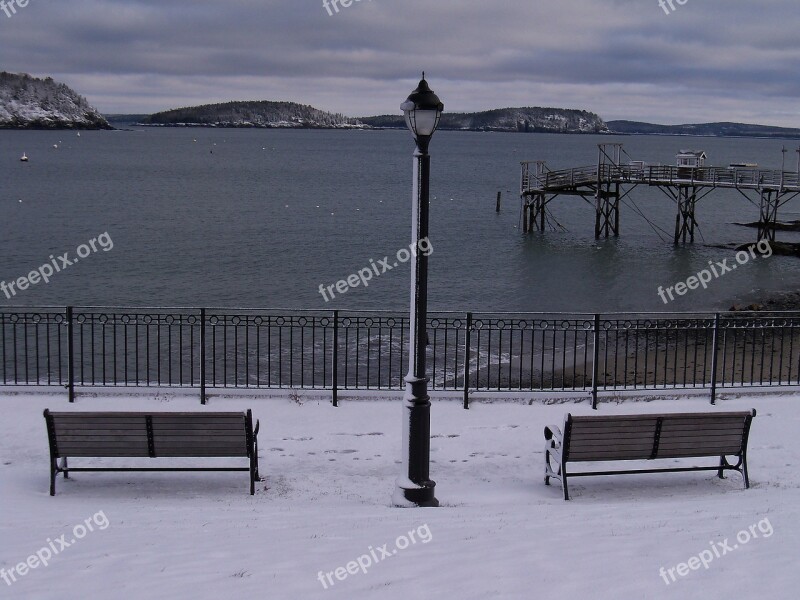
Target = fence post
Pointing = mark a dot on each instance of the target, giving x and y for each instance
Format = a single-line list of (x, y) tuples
[(596, 361), (714, 359), (335, 365), (70, 356), (467, 343), (202, 355)]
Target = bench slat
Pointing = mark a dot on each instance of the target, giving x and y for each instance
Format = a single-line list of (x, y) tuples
[(611, 430), (99, 422), (196, 441), (101, 436), (730, 446), (79, 415), (699, 439), (102, 451), (690, 416), (91, 430), (178, 453), (607, 456), (193, 427), (602, 439)]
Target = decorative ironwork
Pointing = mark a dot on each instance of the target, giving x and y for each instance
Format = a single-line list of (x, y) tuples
[(359, 350)]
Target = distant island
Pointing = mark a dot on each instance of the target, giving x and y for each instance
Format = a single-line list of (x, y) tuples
[(525, 120), (28, 102), (704, 129), (291, 115), (31, 103), (263, 114)]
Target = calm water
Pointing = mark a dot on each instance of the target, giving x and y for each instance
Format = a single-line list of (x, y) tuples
[(260, 218)]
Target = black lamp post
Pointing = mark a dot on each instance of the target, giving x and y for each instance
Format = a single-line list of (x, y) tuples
[(422, 111)]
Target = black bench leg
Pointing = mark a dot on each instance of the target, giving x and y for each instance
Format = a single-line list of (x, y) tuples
[(253, 472), (564, 481), (744, 472), (64, 467), (722, 463), (52, 476), (546, 467)]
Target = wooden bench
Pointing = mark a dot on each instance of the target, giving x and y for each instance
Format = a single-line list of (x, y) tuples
[(648, 437), (153, 435)]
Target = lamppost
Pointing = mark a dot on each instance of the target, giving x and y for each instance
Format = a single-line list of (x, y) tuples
[(422, 110)]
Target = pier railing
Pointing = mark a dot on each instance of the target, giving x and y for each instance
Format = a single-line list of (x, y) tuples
[(536, 178), (217, 349)]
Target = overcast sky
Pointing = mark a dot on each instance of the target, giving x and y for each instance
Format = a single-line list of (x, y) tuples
[(709, 60)]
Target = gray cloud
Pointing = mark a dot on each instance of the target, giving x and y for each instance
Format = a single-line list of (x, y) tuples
[(709, 60)]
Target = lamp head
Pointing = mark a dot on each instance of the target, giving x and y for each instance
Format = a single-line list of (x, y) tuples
[(422, 111)]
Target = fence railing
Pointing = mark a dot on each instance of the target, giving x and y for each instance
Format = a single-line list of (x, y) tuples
[(214, 349), (535, 177)]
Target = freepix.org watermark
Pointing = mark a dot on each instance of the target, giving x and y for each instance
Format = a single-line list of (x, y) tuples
[(717, 550), (10, 6), (374, 556), (716, 270), (56, 265), (332, 6), (43, 556), (670, 7), (365, 275)]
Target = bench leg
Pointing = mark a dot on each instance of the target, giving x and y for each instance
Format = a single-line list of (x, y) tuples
[(564, 482), (65, 466), (52, 476), (547, 468), (744, 472), (722, 463)]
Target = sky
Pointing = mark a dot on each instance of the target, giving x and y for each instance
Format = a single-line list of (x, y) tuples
[(706, 60)]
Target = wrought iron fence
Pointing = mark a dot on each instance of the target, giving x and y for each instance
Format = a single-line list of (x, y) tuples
[(212, 349)]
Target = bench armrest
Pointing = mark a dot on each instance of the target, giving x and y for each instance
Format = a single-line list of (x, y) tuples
[(255, 431), (553, 435)]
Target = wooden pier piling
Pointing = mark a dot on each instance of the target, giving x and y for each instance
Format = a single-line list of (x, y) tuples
[(609, 182)]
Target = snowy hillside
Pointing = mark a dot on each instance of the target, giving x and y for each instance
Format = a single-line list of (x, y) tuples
[(31, 103)]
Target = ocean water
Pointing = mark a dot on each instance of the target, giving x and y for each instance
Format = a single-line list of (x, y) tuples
[(261, 218)]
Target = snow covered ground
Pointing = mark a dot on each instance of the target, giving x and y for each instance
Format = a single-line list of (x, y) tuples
[(500, 532)]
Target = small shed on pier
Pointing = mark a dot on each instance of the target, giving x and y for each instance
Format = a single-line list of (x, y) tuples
[(691, 158)]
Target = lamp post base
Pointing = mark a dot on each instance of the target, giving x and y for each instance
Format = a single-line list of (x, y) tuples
[(409, 495)]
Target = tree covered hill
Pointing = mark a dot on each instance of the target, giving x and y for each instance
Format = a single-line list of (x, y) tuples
[(31, 103), (527, 119), (252, 114)]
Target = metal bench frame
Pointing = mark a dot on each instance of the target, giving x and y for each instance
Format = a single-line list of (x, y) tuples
[(557, 448), (248, 433)]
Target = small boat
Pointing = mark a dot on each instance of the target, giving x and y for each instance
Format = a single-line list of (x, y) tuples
[(24, 157)]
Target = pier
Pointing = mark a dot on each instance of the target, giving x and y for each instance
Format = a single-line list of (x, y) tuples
[(606, 184)]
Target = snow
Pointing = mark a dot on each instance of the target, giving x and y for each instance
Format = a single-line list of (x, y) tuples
[(330, 474), (26, 100)]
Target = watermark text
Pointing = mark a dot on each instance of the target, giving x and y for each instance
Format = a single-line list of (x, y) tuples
[(43, 556), (374, 556), (55, 265)]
